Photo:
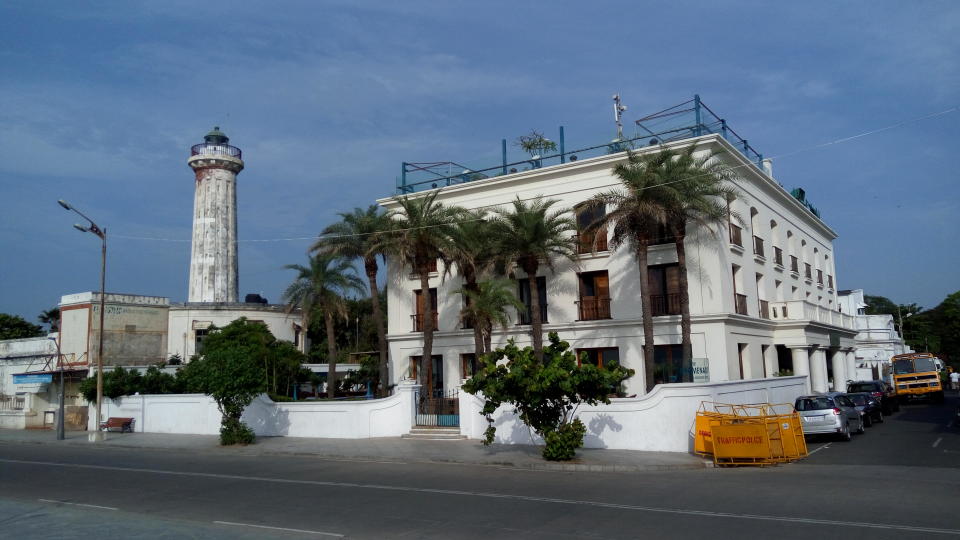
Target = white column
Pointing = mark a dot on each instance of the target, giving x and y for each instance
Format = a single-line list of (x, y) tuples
[(801, 364), (851, 364), (772, 366), (838, 362), (818, 371)]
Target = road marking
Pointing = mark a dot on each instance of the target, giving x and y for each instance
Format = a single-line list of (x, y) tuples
[(77, 504), (503, 496), (937, 442), (278, 528), (819, 449)]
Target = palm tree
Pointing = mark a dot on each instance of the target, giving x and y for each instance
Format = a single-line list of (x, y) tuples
[(51, 317), (363, 234), (531, 235), (486, 307), (698, 193), (636, 208), (320, 288), (422, 236), (474, 254)]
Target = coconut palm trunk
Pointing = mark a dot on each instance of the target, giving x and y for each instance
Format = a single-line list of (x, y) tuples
[(679, 234), (331, 354), (370, 266), (647, 313)]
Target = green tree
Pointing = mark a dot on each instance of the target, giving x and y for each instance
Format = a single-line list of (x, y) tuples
[(363, 234), (487, 306), (634, 211), (545, 392), (474, 254), (422, 237), (51, 317), (231, 371), (697, 193), (532, 235), (16, 327), (879, 305), (321, 288)]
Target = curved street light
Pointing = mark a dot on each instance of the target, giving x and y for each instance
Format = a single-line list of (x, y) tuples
[(102, 233)]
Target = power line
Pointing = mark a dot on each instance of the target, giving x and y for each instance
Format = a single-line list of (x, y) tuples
[(591, 188)]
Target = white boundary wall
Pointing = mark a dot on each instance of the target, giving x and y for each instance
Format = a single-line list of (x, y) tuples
[(659, 421), (197, 414)]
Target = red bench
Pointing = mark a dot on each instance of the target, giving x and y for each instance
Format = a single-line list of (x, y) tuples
[(123, 425)]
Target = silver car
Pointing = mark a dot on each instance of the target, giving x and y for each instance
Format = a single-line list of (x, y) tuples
[(832, 413)]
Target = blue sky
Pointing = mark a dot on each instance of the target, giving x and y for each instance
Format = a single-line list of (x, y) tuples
[(100, 103)]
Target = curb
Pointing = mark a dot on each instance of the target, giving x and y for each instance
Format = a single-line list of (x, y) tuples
[(535, 466)]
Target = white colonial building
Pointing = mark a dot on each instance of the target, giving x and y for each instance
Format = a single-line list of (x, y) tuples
[(877, 337), (763, 297)]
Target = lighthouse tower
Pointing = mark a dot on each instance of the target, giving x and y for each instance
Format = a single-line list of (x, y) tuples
[(213, 260)]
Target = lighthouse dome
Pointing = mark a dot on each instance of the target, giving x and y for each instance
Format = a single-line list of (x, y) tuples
[(215, 136)]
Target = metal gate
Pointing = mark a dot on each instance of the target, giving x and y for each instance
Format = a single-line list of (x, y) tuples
[(438, 408)]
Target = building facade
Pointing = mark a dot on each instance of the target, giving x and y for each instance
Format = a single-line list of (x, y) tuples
[(877, 339), (762, 295)]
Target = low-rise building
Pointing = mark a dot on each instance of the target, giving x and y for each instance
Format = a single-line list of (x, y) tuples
[(877, 339)]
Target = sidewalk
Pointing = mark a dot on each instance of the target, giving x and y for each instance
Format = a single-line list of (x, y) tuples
[(393, 449)]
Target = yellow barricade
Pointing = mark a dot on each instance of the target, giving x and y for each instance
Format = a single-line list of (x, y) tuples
[(750, 434)]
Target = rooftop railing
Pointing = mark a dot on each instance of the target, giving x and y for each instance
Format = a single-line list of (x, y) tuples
[(684, 121), (207, 149)]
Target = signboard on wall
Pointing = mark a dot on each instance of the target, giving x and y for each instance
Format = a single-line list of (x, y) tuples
[(701, 370), (32, 378)]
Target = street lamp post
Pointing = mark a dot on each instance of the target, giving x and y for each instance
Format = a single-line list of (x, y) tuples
[(102, 233), (63, 393)]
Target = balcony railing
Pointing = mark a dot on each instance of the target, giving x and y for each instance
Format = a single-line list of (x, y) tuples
[(665, 304), (418, 320), (764, 309), (794, 265), (819, 277), (206, 149), (777, 256), (736, 235), (11, 403), (796, 310), (807, 271), (758, 246), (740, 303), (587, 242), (592, 308)]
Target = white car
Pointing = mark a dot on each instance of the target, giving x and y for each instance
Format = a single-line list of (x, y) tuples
[(829, 414)]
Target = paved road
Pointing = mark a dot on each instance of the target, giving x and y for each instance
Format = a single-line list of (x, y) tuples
[(896, 481)]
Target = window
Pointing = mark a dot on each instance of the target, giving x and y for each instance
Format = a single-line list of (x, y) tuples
[(523, 285), (664, 289), (660, 234), (594, 300), (600, 357), (668, 365), (418, 317), (468, 365), (428, 375), (199, 335), (588, 214), (742, 357)]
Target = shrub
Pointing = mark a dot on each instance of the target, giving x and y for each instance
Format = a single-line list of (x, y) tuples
[(233, 431)]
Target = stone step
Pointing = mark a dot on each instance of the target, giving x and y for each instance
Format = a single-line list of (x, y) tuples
[(434, 433)]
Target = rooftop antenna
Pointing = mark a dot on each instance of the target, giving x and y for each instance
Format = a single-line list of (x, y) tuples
[(618, 109)]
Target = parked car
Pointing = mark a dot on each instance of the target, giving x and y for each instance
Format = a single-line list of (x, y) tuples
[(829, 414), (868, 406), (880, 391)]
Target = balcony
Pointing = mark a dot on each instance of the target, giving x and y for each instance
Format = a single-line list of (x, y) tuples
[(207, 149), (740, 303), (586, 242), (758, 246), (665, 304), (799, 310), (736, 235), (777, 256), (418, 320), (794, 265), (764, 309), (593, 308)]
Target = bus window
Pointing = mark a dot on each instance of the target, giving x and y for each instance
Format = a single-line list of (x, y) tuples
[(901, 367)]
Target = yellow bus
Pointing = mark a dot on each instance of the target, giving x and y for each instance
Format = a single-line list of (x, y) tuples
[(915, 376)]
